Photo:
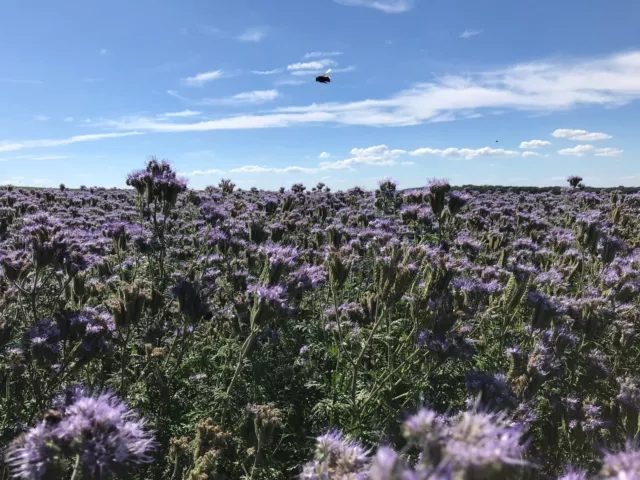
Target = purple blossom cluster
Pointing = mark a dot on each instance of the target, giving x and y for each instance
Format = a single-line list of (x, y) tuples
[(346, 308), (100, 431)]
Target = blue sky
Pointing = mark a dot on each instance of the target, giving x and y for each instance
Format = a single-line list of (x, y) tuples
[(420, 89)]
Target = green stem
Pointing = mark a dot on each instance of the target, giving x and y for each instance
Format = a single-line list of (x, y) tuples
[(76, 468), (358, 361)]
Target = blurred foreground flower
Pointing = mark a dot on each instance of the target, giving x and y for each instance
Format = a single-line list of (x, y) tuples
[(99, 433)]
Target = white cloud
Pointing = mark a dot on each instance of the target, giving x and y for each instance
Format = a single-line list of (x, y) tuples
[(305, 73), (350, 68), (255, 97), (577, 151), (212, 171), (92, 80), (259, 169), (40, 118), (42, 157), (322, 54), (535, 144), (386, 6), (530, 154), (290, 81), (467, 153), (183, 113), (581, 135), (631, 177), (68, 119), (267, 72), (539, 87), (608, 152), (315, 65), (256, 34), (103, 51), (175, 94), (202, 78), (21, 81), (378, 155), (582, 150), (408, 164), (36, 157), (470, 33), (12, 147), (324, 155)]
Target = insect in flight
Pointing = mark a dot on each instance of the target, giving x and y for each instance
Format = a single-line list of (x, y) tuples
[(324, 78)]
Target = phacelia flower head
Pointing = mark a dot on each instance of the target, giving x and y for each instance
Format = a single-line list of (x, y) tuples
[(106, 436)]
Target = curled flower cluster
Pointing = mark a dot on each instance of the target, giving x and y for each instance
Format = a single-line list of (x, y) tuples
[(100, 431)]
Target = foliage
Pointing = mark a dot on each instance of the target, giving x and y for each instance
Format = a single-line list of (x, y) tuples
[(166, 333)]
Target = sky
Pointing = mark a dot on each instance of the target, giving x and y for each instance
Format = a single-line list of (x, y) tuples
[(477, 91)]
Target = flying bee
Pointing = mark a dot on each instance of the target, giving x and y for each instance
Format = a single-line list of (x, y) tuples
[(324, 78)]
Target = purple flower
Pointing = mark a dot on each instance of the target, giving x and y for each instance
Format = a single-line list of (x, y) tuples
[(307, 277), (280, 255), (437, 185), (493, 388), (623, 465), (481, 441), (337, 457), (107, 436), (571, 474), (274, 295)]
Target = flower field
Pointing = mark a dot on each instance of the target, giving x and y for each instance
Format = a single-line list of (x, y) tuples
[(164, 333)]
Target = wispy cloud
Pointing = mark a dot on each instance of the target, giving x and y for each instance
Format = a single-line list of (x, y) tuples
[(196, 173), (262, 169), (267, 72), (467, 153), (608, 152), (200, 79), (530, 154), (15, 146), (290, 82), (68, 119), (175, 94), (183, 113), (582, 150), (470, 33), (386, 6), (42, 157), (305, 73), (104, 51), (539, 87), (315, 65), (535, 144), (255, 34), (324, 155), (254, 97), (21, 81), (40, 118), (350, 68), (322, 54), (92, 80), (581, 135)]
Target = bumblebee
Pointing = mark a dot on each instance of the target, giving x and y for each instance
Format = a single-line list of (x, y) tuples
[(324, 78)]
